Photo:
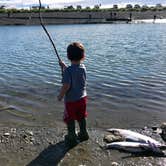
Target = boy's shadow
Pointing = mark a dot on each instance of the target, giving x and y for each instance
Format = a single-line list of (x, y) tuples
[(51, 156)]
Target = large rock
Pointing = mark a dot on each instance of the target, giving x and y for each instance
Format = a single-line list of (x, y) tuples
[(113, 138)]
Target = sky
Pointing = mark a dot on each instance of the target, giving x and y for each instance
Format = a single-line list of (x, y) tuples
[(84, 3)]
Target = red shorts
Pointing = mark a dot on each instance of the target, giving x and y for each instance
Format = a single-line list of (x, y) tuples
[(75, 110)]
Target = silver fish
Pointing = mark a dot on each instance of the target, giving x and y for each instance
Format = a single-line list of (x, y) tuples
[(136, 147), (132, 136)]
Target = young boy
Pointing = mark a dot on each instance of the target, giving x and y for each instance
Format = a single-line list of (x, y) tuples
[(74, 92)]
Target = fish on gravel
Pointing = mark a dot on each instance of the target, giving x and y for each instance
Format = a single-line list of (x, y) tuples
[(137, 147), (132, 136)]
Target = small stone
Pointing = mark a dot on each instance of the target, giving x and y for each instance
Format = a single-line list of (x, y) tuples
[(163, 126), (24, 136), (13, 130), (68, 154), (154, 127), (38, 143), (51, 142), (6, 134), (30, 133), (157, 131), (32, 139), (145, 128), (163, 133), (114, 164)]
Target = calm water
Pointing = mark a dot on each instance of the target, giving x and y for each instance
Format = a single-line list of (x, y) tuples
[(126, 67)]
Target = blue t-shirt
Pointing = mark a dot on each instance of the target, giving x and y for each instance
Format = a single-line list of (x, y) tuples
[(75, 75)]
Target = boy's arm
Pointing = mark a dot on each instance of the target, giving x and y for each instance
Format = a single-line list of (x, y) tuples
[(64, 89)]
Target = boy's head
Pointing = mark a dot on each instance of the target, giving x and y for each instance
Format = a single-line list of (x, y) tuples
[(75, 51)]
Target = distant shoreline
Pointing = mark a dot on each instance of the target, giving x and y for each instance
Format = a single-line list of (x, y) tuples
[(76, 17)]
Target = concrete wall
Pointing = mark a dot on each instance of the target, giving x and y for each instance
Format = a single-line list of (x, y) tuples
[(74, 17)]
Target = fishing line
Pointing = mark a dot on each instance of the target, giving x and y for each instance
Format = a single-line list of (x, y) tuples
[(44, 28)]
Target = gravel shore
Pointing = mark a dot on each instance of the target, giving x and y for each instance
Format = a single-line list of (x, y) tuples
[(41, 146)]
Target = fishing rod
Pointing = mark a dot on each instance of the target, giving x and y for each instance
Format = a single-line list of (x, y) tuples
[(44, 28)]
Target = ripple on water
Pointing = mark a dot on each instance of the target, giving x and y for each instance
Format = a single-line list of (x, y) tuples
[(125, 68)]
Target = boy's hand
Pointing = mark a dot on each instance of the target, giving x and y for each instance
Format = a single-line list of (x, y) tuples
[(59, 97), (62, 65)]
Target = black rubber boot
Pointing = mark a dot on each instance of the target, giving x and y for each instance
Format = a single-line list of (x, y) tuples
[(83, 134), (71, 137)]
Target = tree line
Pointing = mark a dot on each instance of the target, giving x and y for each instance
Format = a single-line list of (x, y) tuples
[(98, 7)]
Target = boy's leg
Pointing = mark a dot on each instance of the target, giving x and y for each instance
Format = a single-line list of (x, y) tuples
[(83, 134), (71, 139)]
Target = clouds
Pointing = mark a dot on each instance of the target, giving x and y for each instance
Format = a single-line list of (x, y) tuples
[(37, 1), (25, 3), (62, 3)]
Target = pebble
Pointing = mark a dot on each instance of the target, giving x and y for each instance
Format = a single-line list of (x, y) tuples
[(13, 130), (6, 134), (163, 126), (24, 136), (51, 142), (32, 139), (157, 131), (145, 128), (29, 133), (114, 164), (154, 127), (163, 133)]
